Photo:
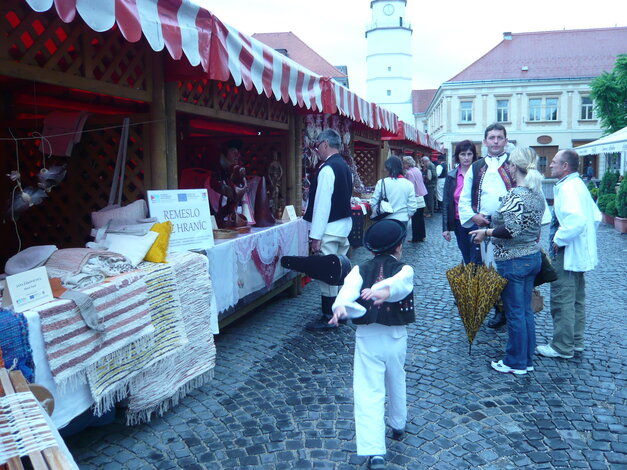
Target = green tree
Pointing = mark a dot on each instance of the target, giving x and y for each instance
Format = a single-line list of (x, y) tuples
[(609, 92)]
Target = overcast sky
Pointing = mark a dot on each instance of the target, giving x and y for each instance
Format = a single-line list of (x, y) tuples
[(448, 35)]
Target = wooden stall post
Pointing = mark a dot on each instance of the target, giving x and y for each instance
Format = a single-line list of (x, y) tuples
[(383, 155), (171, 99), (295, 174), (158, 128)]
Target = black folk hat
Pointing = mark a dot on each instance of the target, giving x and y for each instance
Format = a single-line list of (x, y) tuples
[(385, 235)]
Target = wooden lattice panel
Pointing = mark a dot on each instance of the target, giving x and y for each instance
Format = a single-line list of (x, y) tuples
[(64, 218), (225, 96), (366, 162), (42, 40)]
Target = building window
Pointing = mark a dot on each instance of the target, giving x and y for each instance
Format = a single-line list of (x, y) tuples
[(465, 111), (551, 109), (389, 92), (502, 110), (543, 109), (389, 69), (587, 108)]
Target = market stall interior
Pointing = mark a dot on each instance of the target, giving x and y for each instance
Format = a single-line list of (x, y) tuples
[(100, 111)]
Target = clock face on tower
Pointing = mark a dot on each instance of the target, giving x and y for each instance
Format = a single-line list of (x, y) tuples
[(388, 9)]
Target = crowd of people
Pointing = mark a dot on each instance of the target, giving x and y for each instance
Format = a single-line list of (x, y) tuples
[(495, 207)]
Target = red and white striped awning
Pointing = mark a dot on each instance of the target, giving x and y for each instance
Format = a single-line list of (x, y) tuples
[(182, 27), (408, 132)]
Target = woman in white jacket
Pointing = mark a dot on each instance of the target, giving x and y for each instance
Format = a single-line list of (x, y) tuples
[(398, 190)]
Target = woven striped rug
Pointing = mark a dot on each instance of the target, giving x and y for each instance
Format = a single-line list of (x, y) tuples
[(164, 384), (110, 377), (72, 347)]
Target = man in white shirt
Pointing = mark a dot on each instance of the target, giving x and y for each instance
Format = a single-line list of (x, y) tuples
[(485, 184), (329, 212), (574, 250)]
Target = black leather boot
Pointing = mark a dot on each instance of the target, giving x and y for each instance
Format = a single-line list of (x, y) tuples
[(323, 322), (498, 320)]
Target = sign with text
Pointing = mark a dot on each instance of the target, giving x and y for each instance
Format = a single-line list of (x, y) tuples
[(289, 214), (27, 290), (188, 210)]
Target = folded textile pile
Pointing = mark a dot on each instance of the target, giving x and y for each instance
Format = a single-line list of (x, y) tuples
[(109, 380), (166, 382), (79, 268), (72, 347)]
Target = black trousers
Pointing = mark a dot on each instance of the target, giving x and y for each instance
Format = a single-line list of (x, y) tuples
[(418, 232)]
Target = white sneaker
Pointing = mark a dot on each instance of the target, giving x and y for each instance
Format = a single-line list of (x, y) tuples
[(547, 351), (500, 367), (579, 349), (530, 369)]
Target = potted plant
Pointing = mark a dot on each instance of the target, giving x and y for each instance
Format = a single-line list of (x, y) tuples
[(620, 220), (603, 203), (607, 194), (594, 191)]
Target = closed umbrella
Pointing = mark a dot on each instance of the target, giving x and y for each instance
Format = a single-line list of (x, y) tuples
[(476, 289)]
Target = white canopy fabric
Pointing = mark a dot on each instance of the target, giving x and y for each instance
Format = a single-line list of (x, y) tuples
[(616, 142)]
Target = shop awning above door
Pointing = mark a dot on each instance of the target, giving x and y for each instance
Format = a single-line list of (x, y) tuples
[(186, 29)]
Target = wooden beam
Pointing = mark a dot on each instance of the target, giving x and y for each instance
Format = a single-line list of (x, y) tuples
[(358, 138), (158, 154), (36, 74), (171, 98), (298, 163), (226, 116)]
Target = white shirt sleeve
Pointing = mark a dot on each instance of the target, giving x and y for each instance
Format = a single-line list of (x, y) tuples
[(322, 204), (465, 201), (351, 289), (401, 284)]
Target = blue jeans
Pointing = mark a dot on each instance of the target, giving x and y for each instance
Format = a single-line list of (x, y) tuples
[(470, 251), (521, 326)]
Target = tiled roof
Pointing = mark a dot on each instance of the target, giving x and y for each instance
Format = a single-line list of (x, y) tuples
[(549, 54), (420, 100), (299, 52)]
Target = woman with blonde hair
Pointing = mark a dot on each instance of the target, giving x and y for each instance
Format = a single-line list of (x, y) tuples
[(515, 228)]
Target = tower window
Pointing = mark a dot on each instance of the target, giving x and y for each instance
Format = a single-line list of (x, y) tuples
[(389, 92), (389, 69)]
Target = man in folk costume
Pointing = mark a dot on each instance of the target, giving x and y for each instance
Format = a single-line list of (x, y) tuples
[(378, 296), (329, 213), (573, 240), (485, 184)]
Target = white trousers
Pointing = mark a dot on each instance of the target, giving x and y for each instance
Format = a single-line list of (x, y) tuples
[(332, 245), (379, 366)]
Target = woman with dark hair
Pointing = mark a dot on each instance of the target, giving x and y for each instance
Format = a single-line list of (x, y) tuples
[(398, 191), (465, 154)]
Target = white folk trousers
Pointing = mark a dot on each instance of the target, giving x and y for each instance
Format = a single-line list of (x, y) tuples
[(379, 366), (332, 245)]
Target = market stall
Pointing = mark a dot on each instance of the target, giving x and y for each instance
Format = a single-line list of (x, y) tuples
[(132, 116)]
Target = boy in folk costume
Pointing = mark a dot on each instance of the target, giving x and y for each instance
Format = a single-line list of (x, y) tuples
[(378, 296)]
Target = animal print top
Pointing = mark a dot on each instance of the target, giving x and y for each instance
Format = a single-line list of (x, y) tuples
[(521, 214)]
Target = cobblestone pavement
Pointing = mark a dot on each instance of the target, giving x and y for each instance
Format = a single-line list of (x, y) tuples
[(281, 396)]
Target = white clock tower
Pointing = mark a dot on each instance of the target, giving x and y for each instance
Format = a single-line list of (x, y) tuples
[(389, 79)]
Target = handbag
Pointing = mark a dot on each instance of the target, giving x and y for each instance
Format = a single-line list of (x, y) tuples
[(420, 200), (383, 208), (547, 271)]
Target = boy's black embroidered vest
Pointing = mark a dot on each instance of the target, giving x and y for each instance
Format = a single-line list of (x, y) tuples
[(342, 190), (479, 169), (388, 313)]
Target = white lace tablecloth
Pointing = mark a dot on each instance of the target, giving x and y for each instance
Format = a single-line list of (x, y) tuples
[(233, 272)]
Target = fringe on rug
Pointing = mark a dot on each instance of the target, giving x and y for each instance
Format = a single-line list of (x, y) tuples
[(144, 416)]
